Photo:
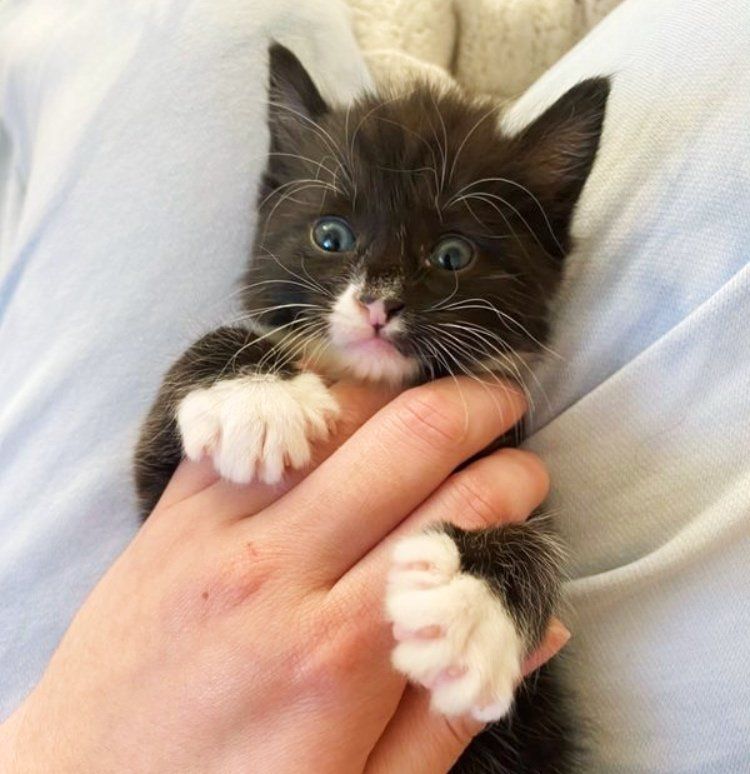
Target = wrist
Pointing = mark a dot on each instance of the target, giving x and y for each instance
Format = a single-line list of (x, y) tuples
[(27, 745), (9, 735)]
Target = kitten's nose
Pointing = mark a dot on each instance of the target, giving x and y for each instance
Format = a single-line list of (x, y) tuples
[(380, 310)]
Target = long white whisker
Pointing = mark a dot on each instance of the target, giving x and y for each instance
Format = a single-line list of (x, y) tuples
[(308, 182), (322, 133), (439, 354), (442, 304), (458, 195), (287, 195), (471, 131), (508, 320), (319, 165), (476, 362), (256, 339), (504, 357), (296, 276)]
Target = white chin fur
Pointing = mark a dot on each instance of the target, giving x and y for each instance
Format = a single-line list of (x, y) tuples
[(391, 368), (353, 351)]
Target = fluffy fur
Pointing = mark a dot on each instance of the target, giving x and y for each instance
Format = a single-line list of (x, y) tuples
[(256, 426), (454, 635), (401, 239)]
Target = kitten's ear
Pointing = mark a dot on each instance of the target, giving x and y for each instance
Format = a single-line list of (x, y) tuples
[(293, 98), (558, 149)]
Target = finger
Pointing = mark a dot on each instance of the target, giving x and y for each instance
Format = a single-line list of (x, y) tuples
[(420, 741), (388, 467), (556, 638), (504, 487), (189, 479), (221, 499)]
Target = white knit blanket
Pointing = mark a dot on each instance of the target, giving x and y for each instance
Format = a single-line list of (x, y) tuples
[(495, 47)]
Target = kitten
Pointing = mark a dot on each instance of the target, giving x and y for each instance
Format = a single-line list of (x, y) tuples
[(402, 239)]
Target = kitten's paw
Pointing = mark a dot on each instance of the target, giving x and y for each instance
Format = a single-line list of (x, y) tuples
[(454, 635), (255, 426)]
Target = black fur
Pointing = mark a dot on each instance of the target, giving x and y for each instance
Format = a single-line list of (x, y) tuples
[(542, 735), (404, 172), (521, 564), (530, 558), (225, 353)]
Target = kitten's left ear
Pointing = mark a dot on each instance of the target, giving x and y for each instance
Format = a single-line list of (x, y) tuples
[(557, 151), (293, 98)]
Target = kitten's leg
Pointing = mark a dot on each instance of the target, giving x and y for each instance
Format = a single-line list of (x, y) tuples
[(230, 397), (467, 607)]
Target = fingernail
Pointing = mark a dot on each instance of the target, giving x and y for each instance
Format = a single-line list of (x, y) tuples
[(559, 632)]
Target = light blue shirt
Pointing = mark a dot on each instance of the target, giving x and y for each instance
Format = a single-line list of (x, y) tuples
[(131, 141)]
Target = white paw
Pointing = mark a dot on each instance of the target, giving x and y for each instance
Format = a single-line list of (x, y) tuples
[(454, 635), (253, 427)]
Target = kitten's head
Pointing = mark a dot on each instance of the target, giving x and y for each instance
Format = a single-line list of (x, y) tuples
[(407, 237)]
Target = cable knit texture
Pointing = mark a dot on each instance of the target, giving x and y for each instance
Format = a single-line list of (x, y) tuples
[(494, 47)]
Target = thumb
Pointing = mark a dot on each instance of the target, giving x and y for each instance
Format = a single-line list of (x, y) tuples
[(419, 741)]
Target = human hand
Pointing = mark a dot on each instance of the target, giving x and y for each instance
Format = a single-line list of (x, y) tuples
[(221, 643)]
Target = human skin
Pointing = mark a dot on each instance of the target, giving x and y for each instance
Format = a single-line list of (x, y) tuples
[(223, 643)]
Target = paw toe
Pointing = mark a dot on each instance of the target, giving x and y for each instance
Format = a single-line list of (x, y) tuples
[(423, 662), (453, 632), (255, 427), (496, 710), (198, 425), (319, 408), (455, 692), (423, 561)]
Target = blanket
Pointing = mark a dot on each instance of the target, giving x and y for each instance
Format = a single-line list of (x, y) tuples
[(494, 47)]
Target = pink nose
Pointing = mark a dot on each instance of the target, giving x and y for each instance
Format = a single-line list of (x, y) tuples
[(380, 310)]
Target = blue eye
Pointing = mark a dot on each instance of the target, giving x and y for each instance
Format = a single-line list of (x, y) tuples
[(333, 235), (453, 254)]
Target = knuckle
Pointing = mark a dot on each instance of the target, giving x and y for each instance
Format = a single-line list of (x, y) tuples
[(474, 491), (432, 420), (334, 646)]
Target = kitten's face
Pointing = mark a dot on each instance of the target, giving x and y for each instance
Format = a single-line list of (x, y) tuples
[(406, 238)]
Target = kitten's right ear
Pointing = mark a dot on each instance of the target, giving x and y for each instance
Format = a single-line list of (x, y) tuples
[(556, 154), (293, 98)]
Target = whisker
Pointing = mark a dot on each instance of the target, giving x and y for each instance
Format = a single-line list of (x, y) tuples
[(255, 340), (485, 305), (516, 184), (317, 286), (471, 131), (510, 366), (322, 134), (318, 165), (287, 195), (309, 181), (487, 199), (477, 363), (256, 312), (442, 304), (435, 349), (443, 154)]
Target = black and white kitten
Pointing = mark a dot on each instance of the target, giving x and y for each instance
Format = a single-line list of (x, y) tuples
[(402, 239)]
